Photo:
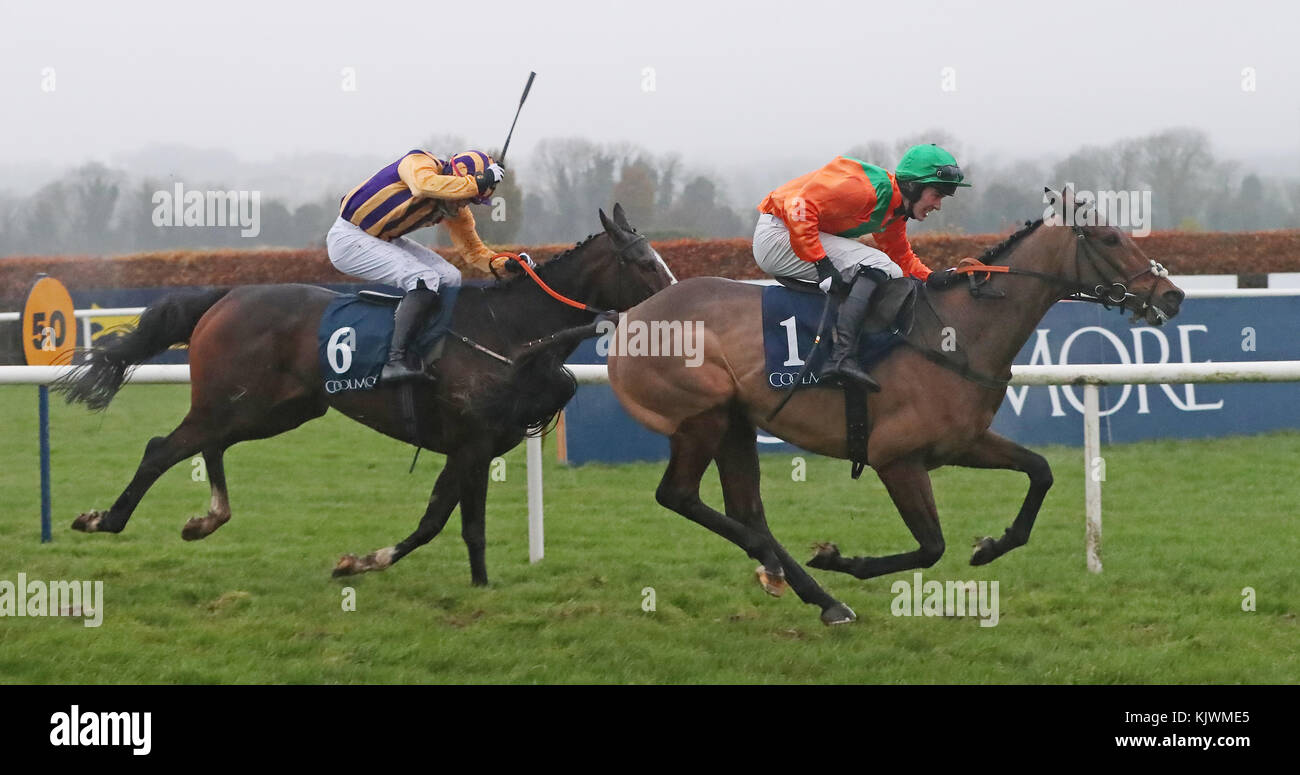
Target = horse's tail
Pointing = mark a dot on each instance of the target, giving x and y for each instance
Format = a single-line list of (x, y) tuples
[(164, 323)]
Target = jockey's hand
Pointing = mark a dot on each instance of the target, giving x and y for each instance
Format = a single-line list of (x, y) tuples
[(830, 279), (489, 178), (505, 263), (941, 280)]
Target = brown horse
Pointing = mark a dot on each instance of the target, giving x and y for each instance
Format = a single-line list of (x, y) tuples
[(935, 408), (254, 373)]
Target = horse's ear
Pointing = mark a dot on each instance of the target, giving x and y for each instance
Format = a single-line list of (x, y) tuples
[(620, 218), (611, 228)]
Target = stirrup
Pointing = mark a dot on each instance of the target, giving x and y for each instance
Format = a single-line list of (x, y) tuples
[(851, 371), (398, 370), (837, 372)]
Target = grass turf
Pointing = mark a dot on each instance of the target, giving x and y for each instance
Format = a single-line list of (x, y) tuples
[(1187, 526)]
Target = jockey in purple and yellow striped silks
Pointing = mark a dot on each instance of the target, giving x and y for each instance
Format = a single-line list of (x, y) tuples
[(368, 239)]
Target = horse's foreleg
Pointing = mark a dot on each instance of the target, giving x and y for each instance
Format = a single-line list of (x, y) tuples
[(160, 454), (473, 515), (446, 493), (908, 484), (738, 470), (219, 511), (993, 451)]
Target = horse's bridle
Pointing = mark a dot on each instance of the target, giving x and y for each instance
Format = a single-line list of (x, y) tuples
[(1116, 293), (1113, 294), (620, 254)]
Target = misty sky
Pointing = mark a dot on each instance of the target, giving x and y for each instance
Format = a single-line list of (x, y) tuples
[(734, 82)]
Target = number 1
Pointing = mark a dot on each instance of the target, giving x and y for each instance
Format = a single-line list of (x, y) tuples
[(792, 343)]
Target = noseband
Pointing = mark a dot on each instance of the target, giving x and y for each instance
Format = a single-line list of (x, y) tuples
[(1117, 293)]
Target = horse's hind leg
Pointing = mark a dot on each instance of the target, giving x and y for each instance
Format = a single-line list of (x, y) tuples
[(908, 484), (697, 442), (693, 447), (219, 512), (160, 454), (738, 471)]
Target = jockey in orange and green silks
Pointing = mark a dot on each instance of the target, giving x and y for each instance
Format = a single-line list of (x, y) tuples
[(809, 227)]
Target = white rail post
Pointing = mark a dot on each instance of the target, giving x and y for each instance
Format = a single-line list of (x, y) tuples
[(1092, 468), (536, 540), (85, 335)]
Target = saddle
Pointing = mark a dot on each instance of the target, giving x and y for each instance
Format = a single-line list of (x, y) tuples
[(892, 305), (354, 334), (889, 318)]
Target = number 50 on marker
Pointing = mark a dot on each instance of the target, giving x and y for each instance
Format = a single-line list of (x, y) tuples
[(49, 327)]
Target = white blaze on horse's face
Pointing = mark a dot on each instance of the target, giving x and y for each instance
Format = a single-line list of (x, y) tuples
[(664, 264)]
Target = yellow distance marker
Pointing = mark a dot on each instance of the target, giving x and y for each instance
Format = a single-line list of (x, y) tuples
[(49, 327)]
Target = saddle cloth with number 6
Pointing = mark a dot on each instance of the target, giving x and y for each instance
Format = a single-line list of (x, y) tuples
[(354, 332)]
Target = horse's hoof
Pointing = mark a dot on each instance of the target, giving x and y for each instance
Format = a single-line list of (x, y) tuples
[(772, 584), (193, 529), (348, 565), (985, 551), (88, 522), (838, 614), (826, 554), (204, 526)]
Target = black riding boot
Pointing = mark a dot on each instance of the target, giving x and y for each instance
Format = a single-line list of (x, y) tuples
[(413, 311), (843, 363)]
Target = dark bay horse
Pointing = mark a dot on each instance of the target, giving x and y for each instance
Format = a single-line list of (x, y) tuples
[(254, 373), (927, 415)]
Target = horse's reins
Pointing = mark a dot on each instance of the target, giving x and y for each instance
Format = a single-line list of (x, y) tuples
[(1116, 294), (554, 294)]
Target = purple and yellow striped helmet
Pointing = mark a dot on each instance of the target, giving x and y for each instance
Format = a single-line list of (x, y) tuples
[(469, 163)]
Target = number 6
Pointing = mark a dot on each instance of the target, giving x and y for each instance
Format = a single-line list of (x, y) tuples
[(339, 351)]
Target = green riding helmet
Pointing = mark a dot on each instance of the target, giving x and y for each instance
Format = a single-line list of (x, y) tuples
[(929, 165)]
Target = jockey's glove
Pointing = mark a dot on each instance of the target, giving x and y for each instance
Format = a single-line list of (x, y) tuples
[(941, 280), (829, 277), (489, 178), (507, 264)]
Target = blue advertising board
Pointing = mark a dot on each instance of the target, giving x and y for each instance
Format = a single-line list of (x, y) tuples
[(1210, 329)]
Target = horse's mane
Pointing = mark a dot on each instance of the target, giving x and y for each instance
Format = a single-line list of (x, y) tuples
[(543, 266), (993, 253)]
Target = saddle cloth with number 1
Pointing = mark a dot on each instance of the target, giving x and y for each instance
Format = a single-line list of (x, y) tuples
[(790, 321)]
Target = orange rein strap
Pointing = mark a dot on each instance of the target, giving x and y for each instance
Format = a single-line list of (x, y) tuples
[(971, 266), (542, 284)]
